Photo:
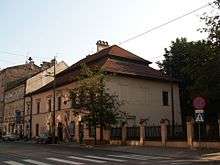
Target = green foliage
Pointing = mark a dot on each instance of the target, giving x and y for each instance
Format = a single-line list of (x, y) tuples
[(212, 23), (92, 96), (197, 66)]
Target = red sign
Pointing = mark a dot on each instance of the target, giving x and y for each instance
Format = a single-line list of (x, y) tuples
[(199, 103)]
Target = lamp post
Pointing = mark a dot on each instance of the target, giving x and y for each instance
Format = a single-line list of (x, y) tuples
[(172, 98), (54, 101)]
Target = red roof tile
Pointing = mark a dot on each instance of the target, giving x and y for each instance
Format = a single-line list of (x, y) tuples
[(113, 59)]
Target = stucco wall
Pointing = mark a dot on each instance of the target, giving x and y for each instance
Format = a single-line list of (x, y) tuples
[(42, 78), (143, 98), (14, 101)]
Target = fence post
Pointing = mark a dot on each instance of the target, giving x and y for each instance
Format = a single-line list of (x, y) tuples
[(190, 132), (163, 127), (142, 134), (218, 127), (77, 131), (124, 134)]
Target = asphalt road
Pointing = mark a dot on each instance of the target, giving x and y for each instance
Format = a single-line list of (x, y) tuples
[(34, 154)]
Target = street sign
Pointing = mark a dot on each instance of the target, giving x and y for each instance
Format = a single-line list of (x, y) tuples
[(199, 103), (199, 115)]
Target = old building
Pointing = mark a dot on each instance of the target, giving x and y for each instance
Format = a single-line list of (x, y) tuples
[(146, 92), (14, 106), (11, 74), (15, 93)]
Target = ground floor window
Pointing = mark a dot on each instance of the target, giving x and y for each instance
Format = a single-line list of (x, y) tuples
[(37, 129)]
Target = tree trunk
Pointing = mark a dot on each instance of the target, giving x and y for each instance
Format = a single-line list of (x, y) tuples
[(95, 134), (101, 134)]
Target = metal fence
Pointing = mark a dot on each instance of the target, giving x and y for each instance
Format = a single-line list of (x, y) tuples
[(208, 132), (133, 133), (116, 133), (176, 132), (152, 132)]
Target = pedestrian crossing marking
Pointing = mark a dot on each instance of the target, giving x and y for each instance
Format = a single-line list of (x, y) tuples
[(87, 159), (13, 163), (199, 117), (64, 161), (105, 158), (78, 160), (35, 162), (129, 157)]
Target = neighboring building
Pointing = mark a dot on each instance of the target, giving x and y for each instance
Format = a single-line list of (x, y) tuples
[(15, 94), (14, 106), (11, 74), (145, 91)]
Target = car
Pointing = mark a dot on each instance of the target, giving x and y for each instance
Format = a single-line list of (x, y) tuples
[(10, 137), (44, 139)]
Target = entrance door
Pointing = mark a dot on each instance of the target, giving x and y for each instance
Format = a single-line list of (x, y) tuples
[(60, 131), (81, 129)]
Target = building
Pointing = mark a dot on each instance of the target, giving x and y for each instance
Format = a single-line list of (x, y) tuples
[(145, 91), (11, 74), (15, 94)]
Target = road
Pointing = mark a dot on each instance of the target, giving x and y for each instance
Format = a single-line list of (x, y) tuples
[(35, 154)]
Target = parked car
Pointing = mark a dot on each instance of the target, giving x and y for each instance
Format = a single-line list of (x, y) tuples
[(44, 139), (10, 137)]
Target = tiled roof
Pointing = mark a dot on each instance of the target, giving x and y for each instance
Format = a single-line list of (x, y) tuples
[(121, 67), (113, 59)]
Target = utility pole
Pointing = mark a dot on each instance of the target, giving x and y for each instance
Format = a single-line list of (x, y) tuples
[(172, 98), (54, 102)]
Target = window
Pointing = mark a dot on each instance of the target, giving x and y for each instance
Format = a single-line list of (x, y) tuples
[(91, 131), (49, 105), (28, 108), (59, 101), (165, 98), (37, 129), (38, 107)]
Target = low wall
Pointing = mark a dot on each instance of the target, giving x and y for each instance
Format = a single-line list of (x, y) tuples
[(215, 145), (178, 144)]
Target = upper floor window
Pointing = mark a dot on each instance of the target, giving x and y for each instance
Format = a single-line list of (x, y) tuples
[(49, 105), (38, 107), (28, 108), (59, 101), (165, 98)]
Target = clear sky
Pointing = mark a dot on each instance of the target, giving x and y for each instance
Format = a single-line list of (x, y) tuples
[(69, 29)]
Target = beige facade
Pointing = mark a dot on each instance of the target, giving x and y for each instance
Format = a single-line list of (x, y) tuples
[(11, 74), (44, 77), (14, 108), (142, 100)]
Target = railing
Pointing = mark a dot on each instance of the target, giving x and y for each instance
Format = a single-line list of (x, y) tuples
[(208, 132), (152, 132), (133, 133), (116, 133), (176, 132)]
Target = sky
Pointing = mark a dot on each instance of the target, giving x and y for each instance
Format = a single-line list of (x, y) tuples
[(69, 29)]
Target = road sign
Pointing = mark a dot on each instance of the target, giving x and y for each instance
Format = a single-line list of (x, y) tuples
[(199, 115), (199, 103)]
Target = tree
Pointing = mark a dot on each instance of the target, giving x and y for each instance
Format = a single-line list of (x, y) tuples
[(91, 96), (212, 24), (196, 65)]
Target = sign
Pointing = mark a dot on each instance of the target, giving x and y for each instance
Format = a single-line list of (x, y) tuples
[(199, 115), (199, 103)]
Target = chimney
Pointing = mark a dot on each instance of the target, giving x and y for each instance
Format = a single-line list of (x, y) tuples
[(101, 45)]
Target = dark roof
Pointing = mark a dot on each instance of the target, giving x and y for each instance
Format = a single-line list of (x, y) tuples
[(12, 84), (113, 59), (19, 66), (136, 70)]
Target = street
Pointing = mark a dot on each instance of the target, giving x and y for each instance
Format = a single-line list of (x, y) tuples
[(36, 154)]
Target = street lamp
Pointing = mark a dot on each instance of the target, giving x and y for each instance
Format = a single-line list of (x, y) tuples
[(172, 99)]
